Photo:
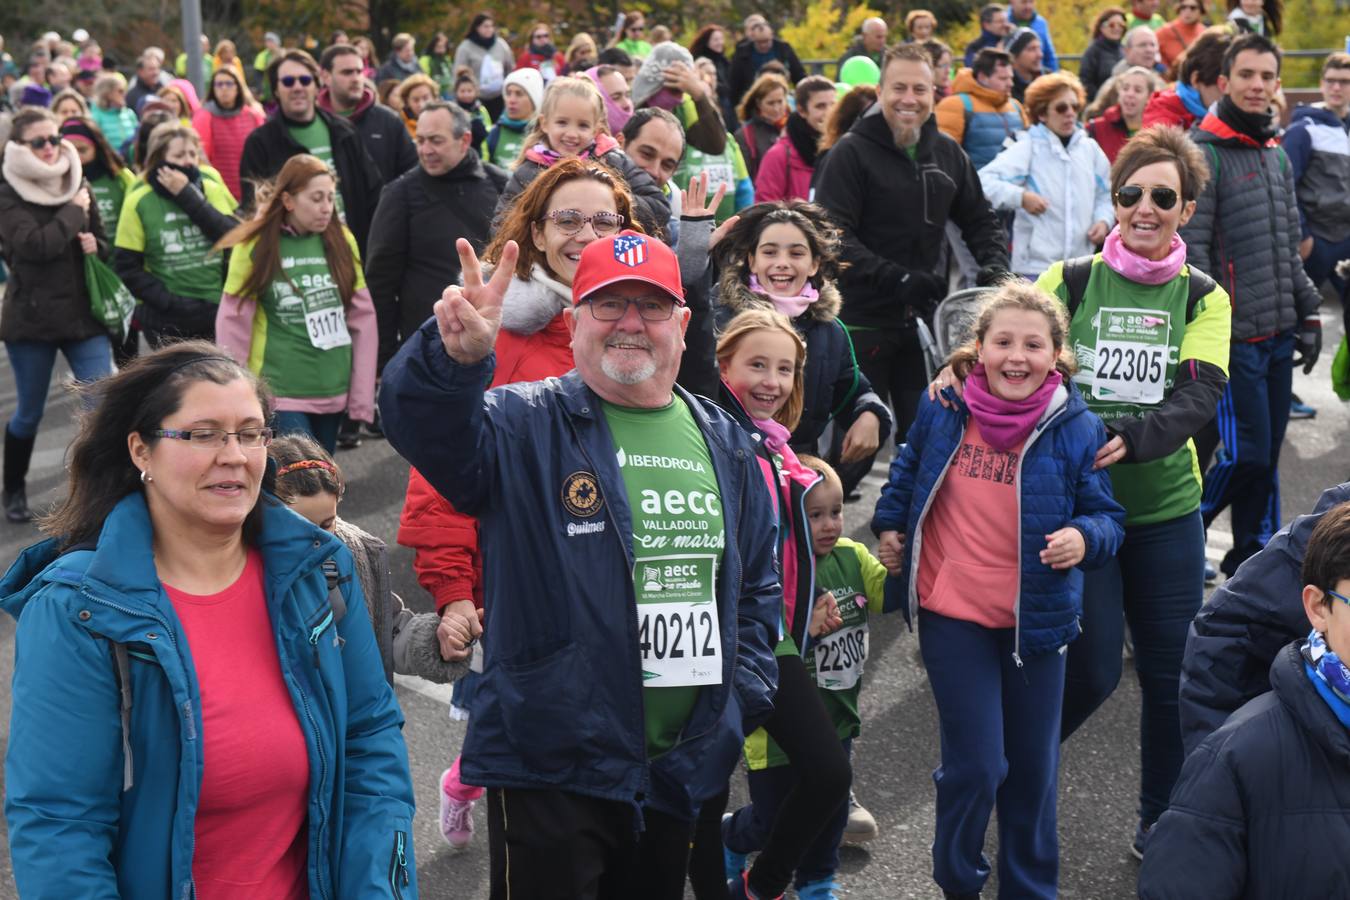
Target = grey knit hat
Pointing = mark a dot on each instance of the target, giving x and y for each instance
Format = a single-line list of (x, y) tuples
[(649, 78)]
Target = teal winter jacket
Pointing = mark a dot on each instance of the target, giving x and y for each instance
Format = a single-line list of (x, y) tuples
[(101, 798)]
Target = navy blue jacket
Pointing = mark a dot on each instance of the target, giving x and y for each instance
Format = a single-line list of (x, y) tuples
[(1056, 486), (1236, 635), (560, 704), (1262, 807), (87, 818)]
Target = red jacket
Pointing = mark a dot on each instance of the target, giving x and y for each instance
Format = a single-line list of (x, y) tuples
[(1166, 108), (530, 60), (447, 559), (223, 140), (1109, 131), (783, 174)]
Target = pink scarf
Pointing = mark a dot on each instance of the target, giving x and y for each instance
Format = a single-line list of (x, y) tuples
[(1128, 264), (792, 307), (1005, 424), (775, 434), (546, 156), (617, 117)]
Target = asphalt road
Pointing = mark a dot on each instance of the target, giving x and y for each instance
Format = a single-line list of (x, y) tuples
[(893, 760)]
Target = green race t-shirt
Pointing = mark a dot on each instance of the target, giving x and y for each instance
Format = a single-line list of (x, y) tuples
[(109, 193), (176, 251), (727, 167), (678, 539), (1128, 338), (315, 137), (509, 142), (300, 343)]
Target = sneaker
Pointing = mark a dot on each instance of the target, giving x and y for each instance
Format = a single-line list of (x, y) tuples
[(734, 863), (818, 890), (738, 888), (1140, 841), (1211, 573), (861, 827), (349, 435), (1300, 410), (456, 818)]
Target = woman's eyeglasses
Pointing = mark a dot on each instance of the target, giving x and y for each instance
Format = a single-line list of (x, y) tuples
[(1185, 6), (571, 221), (1064, 107), (290, 80), (215, 438), (38, 143), (1131, 194)]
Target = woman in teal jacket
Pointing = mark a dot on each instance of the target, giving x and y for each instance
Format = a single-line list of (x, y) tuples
[(127, 714)]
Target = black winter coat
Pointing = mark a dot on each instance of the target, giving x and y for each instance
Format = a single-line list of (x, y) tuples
[(270, 145), (1237, 634), (1099, 59), (411, 257), (743, 71), (835, 388), (46, 298), (386, 140), (893, 211), (1262, 807)]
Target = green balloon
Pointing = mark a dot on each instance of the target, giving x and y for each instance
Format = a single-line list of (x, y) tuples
[(858, 70), (842, 89)]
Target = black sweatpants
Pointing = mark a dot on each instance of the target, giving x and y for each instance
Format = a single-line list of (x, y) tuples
[(893, 361), (556, 845)]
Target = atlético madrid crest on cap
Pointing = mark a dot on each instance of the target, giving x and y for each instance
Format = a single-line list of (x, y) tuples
[(630, 249)]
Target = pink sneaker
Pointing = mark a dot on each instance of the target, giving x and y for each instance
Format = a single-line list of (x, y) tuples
[(456, 818)]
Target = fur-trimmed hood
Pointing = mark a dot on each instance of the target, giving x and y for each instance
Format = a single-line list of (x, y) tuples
[(735, 295)]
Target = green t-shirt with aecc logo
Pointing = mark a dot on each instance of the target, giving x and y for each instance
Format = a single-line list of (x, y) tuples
[(727, 167), (315, 137), (507, 151), (678, 539), (300, 343), (176, 251), (109, 192)]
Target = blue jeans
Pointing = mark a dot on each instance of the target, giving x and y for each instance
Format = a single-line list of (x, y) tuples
[(1000, 748), (1252, 416), (1158, 581), (323, 427), (32, 361)]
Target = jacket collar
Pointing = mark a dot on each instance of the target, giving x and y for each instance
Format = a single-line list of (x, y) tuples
[(1290, 683), (736, 296), (1214, 130), (967, 83), (325, 102), (531, 304), (872, 125)]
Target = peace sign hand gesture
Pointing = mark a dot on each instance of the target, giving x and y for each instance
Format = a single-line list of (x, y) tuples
[(469, 317)]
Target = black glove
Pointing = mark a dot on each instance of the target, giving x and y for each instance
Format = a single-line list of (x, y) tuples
[(1309, 343), (991, 276), (923, 291)]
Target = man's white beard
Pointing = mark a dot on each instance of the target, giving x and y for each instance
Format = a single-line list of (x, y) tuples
[(632, 376)]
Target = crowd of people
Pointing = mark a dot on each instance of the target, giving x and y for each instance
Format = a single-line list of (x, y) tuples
[(616, 288)]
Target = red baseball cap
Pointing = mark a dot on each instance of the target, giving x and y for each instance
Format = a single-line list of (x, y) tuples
[(627, 256)]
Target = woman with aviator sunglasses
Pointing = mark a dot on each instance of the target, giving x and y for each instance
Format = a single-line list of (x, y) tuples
[(1055, 178), (1151, 335)]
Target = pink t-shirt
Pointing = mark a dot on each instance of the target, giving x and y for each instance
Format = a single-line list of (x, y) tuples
[(251, 830), (969, 559)]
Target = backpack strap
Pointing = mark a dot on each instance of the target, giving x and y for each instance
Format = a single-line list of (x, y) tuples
[(967, 110), (1077, 273), (1200, 286), (334, 578)]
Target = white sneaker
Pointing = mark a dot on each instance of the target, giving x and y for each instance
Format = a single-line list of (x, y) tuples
[(456, 818), (861, 827)]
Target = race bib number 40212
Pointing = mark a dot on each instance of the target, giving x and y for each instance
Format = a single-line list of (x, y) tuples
[(679, 636)]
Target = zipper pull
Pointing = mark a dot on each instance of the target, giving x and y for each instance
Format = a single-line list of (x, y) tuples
[(402, 860)]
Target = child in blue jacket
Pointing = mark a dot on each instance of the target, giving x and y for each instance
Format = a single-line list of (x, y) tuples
[(990, 506)]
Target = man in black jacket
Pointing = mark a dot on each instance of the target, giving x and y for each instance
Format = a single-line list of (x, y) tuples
[(892, 183), (298, 126), (382, 130), (449, 195), (758, 47)]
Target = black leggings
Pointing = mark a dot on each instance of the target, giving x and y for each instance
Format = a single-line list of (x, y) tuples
[(802, 728)]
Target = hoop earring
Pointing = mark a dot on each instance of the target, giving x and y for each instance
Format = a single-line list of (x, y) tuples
[(146, 477)]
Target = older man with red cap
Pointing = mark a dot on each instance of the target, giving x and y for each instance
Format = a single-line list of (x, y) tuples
[(632, 599)]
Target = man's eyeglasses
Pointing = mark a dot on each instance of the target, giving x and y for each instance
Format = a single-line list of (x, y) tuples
[(571, 221), (1339, 596), (1162, 197), (290, 80), (650, 309), (215, 438)]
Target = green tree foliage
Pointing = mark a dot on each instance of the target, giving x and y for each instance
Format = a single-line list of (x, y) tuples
[(822, 31)]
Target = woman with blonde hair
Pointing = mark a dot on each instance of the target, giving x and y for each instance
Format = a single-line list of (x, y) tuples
[(295, 308), (110, 112), (69, 104), (415, 92), (581, 54)]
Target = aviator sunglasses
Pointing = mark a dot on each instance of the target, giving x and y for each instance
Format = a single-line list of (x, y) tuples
[(1131, 194)]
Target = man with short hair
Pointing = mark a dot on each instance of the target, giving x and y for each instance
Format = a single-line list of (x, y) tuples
[(980, 114), (1245, 230), (893, 163), (402, 61), (1028, 57), (1197, 86), (754, 50), (993, 29), (147, 82), (299, 126), (449, 194), (1144, 12), (1141, 49), (621, 60), (870, 42), (1318, 145), (611, 505), (346, 94), (654, 139), (1022, 14)]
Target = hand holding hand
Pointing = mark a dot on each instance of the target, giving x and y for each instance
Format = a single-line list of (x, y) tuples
[(862, 438), (461, 625), (1064, 549), (825, 617), (891, 551), (470, 317)]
